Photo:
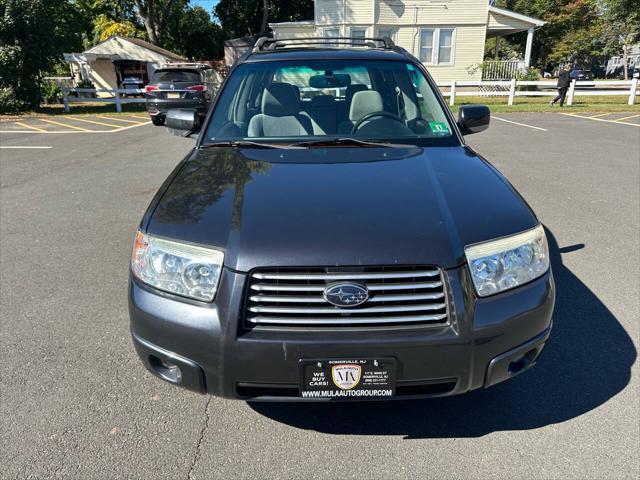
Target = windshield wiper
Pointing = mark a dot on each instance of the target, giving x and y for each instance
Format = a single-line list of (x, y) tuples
[(347, 141), (247, 143)]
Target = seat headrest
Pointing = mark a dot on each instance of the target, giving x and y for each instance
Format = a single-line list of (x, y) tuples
[(322, 101), (281, 99), (365, 102), (351, 91)]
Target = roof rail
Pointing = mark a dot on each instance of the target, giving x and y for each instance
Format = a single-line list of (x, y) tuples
[(184, 65), (266, 43)]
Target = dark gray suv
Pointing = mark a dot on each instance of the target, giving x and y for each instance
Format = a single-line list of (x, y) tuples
[(331, 237), (184, 85)]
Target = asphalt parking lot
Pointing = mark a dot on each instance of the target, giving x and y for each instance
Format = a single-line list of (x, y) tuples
[(77, 403)]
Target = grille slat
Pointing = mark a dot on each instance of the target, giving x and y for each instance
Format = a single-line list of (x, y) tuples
[(341, 320), (320, 299), (398, 294), (343, 276), (263, 287)]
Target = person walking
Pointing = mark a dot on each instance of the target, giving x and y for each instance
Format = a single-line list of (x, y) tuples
[(563, 85)]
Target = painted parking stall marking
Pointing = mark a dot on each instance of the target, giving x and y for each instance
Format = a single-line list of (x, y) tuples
[(74, 124), (533, 127), (615, 118)]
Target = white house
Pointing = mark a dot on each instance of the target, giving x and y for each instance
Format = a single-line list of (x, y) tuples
[(447, 35), (108, 63), (616, 62)]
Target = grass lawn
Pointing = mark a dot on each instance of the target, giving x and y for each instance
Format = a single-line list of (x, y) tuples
[(79, 109), (595, 104)]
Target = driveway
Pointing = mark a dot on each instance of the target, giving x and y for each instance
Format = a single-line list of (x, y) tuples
[(77, 403)]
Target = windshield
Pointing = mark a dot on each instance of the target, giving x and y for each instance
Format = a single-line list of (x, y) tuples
[(176, 76), (324, 100)]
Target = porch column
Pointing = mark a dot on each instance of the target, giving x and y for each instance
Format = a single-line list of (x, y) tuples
[(527, 51)]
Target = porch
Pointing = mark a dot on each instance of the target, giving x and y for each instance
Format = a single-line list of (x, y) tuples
[(502, 23)]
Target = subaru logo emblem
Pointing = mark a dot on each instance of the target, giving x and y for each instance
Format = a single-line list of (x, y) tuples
[(346, 294)]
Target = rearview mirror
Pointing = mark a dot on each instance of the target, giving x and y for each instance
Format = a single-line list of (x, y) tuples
[(182, 122), (473, 118), (330, 80)]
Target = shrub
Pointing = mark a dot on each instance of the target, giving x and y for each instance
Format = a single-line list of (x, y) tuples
[(85, 84), (530, 74), (9, 103), (51, 92)]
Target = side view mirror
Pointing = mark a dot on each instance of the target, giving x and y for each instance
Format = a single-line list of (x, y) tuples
[(182, 122), (473, 118)]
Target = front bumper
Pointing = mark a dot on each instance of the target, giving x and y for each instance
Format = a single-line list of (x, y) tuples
[(487, 341)]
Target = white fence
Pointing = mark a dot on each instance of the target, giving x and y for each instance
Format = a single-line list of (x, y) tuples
[(509, 89), (117, 96), (496, 88)]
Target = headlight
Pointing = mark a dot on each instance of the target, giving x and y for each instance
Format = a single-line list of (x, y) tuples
[(499, 265), (177, 267)]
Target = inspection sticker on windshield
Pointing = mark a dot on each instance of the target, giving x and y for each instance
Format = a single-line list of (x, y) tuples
[(348, 378), (438, 127)]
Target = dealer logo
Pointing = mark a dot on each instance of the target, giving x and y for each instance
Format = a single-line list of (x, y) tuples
[(346, 377)]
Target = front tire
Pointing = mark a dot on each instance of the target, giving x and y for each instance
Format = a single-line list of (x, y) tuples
[(157, 120)]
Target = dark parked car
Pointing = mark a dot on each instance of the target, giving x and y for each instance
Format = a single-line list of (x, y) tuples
[(331, 237), (581, 75), (187, 86)]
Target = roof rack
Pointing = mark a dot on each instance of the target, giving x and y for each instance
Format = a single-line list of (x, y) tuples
[(266, 43), (184, 65)]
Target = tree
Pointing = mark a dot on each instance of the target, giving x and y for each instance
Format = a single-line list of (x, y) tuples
[(240, 18), (194, 35), (621, 28), (33, 36), (104, 27), (155, 14)]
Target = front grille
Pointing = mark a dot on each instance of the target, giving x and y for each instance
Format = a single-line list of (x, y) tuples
[(398, 295)]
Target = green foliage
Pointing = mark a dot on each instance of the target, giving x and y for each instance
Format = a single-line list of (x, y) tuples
[(9, 103), (577, 30), (105, 27), (86, 84), (194, 35), (33, 36), (240, 18), (530, 74), (51, 92)]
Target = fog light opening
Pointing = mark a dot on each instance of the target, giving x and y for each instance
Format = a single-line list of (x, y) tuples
[(165, 369), (524, 362)]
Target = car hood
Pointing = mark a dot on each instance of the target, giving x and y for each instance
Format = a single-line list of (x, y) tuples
[(338, 206)]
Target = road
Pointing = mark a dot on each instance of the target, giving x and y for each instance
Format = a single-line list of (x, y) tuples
[(77, 403)]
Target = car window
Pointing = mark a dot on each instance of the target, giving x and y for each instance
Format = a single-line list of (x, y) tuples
[(300, 100), (176, 76)]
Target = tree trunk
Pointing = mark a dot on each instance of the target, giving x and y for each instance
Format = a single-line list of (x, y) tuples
[(625, 65), (265, 16), (146, 12)]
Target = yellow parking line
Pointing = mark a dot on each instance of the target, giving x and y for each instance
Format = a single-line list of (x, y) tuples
[(575, 115), (93, 121), (626, 118), (599, 115), (118, 119), (138, 116), (65, 125), (24, 125)]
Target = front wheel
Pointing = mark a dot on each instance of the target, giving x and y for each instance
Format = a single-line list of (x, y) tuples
[(157, 120)]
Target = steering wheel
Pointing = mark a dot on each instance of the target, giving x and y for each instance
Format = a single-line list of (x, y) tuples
[(368, 116)]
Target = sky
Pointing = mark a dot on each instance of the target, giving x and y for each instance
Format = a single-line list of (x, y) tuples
[(206, 4)]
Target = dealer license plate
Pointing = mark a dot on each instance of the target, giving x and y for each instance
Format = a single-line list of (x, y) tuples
[(173, 95), (348, 378)]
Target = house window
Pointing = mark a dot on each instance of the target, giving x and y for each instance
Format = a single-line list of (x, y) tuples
[(359, 32), (426, 45), (436, 46), (385, 32), (331, 33)]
